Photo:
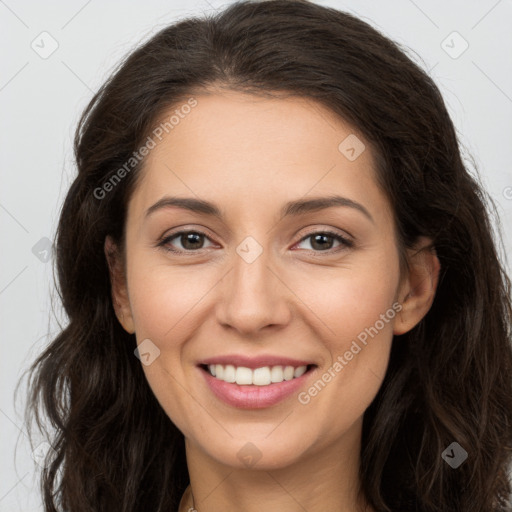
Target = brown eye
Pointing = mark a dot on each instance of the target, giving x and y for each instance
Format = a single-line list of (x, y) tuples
[(190, 241), (324, 240)]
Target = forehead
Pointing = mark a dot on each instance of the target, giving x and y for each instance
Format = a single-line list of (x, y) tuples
[(242, 150)]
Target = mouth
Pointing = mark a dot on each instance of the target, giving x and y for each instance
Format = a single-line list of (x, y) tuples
[(262, 376), (255, 388)]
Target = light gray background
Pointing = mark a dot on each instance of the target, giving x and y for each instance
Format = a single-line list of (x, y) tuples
[(41, 99)]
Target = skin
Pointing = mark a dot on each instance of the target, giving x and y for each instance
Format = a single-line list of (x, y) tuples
[(249, 156)]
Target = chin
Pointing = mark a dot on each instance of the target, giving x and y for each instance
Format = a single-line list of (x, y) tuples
[(259, 451)]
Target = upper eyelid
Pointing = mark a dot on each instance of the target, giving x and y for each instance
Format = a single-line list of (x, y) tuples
[(204, 231), (329, 230), (181, 231), (317, 226)]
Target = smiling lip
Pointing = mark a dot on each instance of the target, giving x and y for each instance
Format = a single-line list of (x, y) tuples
[(253, 396)]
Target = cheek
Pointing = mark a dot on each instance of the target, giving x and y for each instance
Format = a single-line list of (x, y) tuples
[(361, 303), (161, 297), (351, 299)]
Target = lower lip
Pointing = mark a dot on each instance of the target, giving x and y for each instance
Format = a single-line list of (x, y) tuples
[(252, 396)]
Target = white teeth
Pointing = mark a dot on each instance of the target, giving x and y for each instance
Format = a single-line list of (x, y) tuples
[(276, 374), (259, 376), (243, 375), (288, 373), (229, 373), (301, 370)]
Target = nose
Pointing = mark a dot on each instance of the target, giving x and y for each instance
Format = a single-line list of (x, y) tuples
[(252, 297)]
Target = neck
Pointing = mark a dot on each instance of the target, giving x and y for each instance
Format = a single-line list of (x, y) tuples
[(324, 480)]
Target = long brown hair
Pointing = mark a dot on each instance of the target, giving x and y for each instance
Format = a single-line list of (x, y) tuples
[(449, 379)]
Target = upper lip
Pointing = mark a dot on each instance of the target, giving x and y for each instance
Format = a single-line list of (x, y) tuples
[(256, 361)]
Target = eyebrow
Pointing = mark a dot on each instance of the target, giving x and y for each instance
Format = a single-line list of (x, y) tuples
[(292, 208)]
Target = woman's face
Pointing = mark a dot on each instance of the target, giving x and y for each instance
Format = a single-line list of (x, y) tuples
[(261, 284)]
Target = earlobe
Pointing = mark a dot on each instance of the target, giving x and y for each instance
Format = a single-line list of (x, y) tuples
[(418, 291), (119, 290)]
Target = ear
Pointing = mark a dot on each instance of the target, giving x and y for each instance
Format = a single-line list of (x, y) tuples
[(418, 289), (119, 287)]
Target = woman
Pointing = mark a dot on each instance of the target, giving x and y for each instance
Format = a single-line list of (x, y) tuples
[(338, 339)]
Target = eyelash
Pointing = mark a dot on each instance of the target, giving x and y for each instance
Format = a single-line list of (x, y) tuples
[(345, 242)]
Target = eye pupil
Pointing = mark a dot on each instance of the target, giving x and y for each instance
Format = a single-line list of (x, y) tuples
[(190, 238), (322, 246)]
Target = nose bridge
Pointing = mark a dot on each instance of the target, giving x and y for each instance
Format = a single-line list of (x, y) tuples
[(252, 296)]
